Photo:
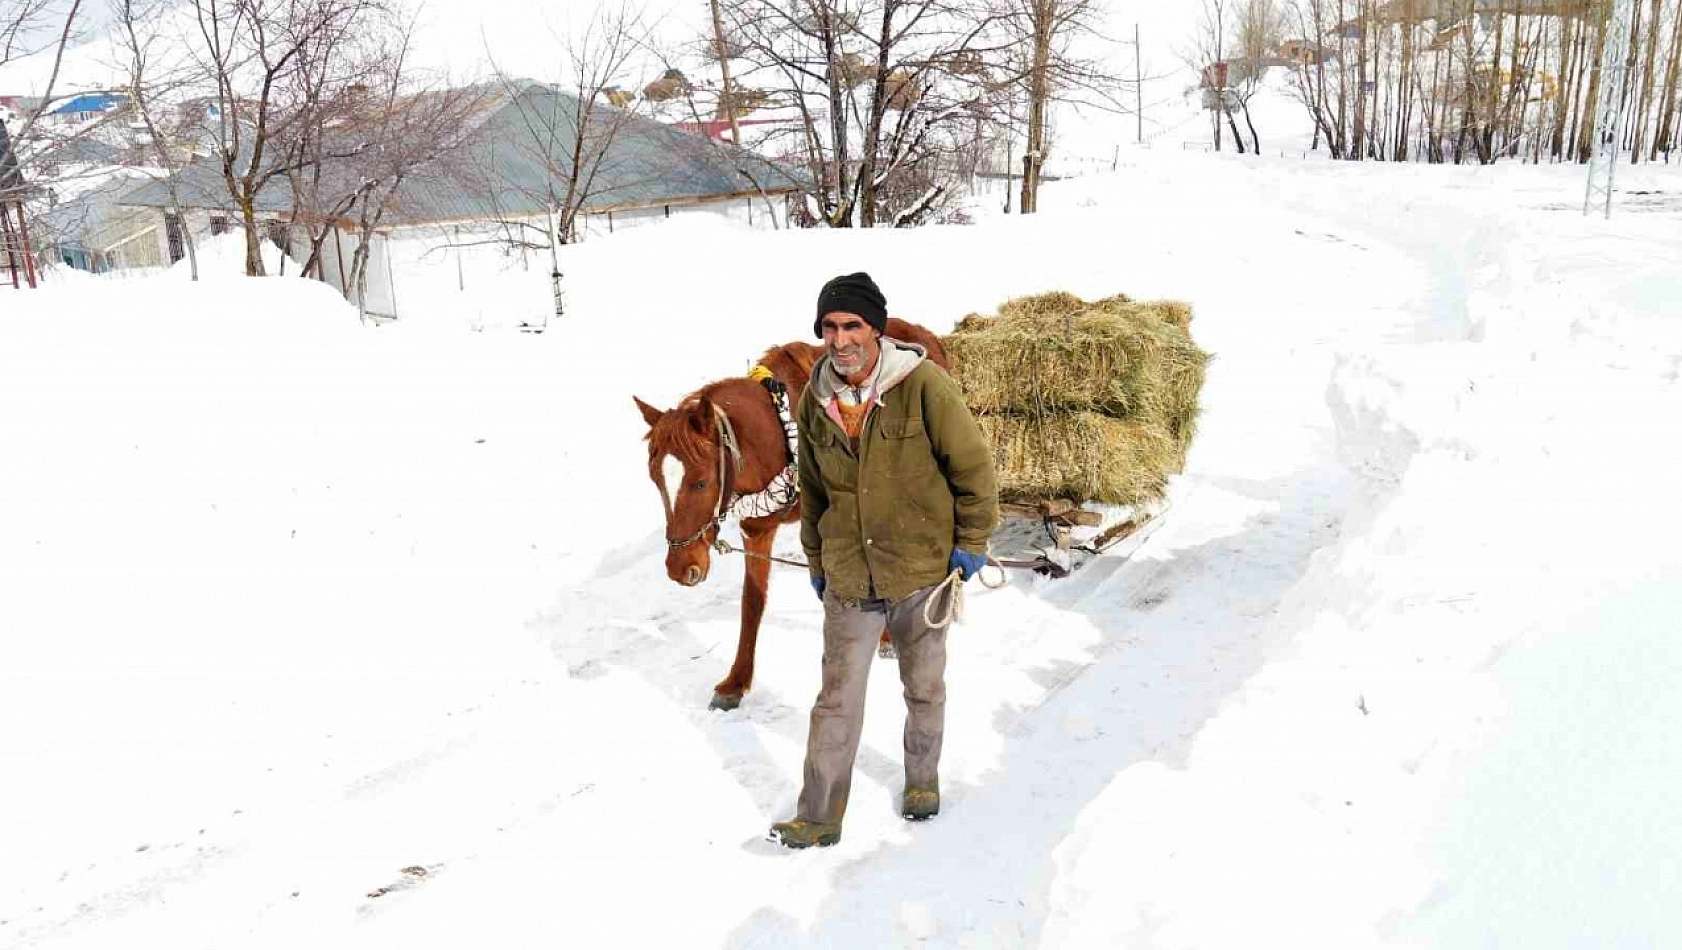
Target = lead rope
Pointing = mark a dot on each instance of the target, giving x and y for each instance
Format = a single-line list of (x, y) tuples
[(949, 594)]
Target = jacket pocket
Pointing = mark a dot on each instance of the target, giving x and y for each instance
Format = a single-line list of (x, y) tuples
[(904, 450), (910, 427)]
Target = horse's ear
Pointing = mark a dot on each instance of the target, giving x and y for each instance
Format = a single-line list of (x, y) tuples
[(650, 414), (701, 420)]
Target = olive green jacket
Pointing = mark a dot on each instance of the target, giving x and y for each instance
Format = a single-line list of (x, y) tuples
[(921, 481)]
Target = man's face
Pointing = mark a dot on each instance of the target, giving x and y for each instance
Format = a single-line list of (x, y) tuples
[(850, 342)]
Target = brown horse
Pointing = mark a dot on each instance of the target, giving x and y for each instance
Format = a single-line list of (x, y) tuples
[(699, 476)]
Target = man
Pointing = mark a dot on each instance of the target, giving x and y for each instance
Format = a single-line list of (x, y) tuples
[(896, 491)]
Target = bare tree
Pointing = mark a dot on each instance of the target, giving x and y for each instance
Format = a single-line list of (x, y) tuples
[(253, 52), (1043, 36), (1207, 56), (568, 131), (153, 80), (411, 129), (1258, 31), (723, 51), (28, 29), (1479, 80), (1664, 138), (880, 94), (702, 112)]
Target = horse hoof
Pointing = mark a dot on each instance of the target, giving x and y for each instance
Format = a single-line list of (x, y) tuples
[(724, 703)]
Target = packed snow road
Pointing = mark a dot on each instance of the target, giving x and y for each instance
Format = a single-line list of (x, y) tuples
[(326, 634)]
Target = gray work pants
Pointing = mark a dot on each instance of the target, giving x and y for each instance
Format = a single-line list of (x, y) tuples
[(851, 629)]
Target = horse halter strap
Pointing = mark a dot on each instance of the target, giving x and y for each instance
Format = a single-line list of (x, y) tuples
[(729, 466)]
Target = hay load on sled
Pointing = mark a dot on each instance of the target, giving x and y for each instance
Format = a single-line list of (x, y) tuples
[(1084, 402)]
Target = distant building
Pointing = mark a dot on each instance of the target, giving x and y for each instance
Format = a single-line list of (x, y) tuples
[(498, 180)]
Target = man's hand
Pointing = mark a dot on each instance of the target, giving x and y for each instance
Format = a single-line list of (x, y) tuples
[(818, 584), (966, 563)]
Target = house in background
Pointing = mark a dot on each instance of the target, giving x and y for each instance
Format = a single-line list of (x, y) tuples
[(92, 232), (497, 186), (88, 106)]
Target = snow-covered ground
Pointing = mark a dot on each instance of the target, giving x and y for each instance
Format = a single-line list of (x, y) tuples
[(290, 605)]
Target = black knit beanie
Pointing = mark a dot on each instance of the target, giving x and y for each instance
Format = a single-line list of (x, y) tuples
[(853, 293)]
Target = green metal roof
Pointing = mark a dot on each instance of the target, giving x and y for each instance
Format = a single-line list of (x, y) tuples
[(518, 153)]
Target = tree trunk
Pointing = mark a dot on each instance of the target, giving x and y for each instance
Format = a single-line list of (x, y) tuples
[(1579, 98), (1486, 132), (1514, 102), (1646, 101), (1630, 75), (1562, 104), (1039, 90), (841, 214), (1360, 143), (1010, 189), (873, 128), (1404, 110), (1321, 107), (724, 74), (1672, 75), (253, 241), (1591, 103), (187, 239)]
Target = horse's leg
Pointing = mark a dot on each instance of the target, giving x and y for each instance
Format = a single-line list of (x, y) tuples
[(756, 579)]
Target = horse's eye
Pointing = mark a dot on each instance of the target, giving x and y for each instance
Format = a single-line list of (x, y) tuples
[(700, 485)]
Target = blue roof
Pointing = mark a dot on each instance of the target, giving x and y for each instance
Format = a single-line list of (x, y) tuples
[(92, 102)]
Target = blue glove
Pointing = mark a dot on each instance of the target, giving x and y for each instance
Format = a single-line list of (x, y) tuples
[(966, 562), (818, 584)]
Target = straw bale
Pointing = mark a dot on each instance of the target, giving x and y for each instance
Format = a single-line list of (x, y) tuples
[(1091, 401), (1081, 455), (1057, 353)]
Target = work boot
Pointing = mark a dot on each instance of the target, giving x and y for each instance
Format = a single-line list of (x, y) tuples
[(800, 833), (920, 804)]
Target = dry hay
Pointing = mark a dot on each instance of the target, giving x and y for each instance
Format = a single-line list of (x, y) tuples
[(743, 100), (903, 89), (965, 62), (853, 70), (1057, 353), (1082, 456), (1090, 401), (671, 84)]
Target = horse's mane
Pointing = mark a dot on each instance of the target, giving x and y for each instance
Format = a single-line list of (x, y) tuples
[(687, 431), (682, 433)]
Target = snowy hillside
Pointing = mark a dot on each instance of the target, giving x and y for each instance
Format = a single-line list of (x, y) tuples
[(311, 632)]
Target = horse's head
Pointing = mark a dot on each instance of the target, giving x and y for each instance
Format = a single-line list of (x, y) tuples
[(687, 465)]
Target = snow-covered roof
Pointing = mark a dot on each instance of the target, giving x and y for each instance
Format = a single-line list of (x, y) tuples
[(503, 169)]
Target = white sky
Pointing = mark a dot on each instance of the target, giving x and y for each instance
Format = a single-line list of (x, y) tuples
[(523, 37), (522, 32)]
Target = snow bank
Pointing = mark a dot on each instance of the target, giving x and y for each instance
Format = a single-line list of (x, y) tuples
[(222, 257), (291, 604), (1462, 744)]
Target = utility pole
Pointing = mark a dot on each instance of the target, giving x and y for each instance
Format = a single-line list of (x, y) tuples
[(1138, 89), (1608, 115), (729, 95)]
